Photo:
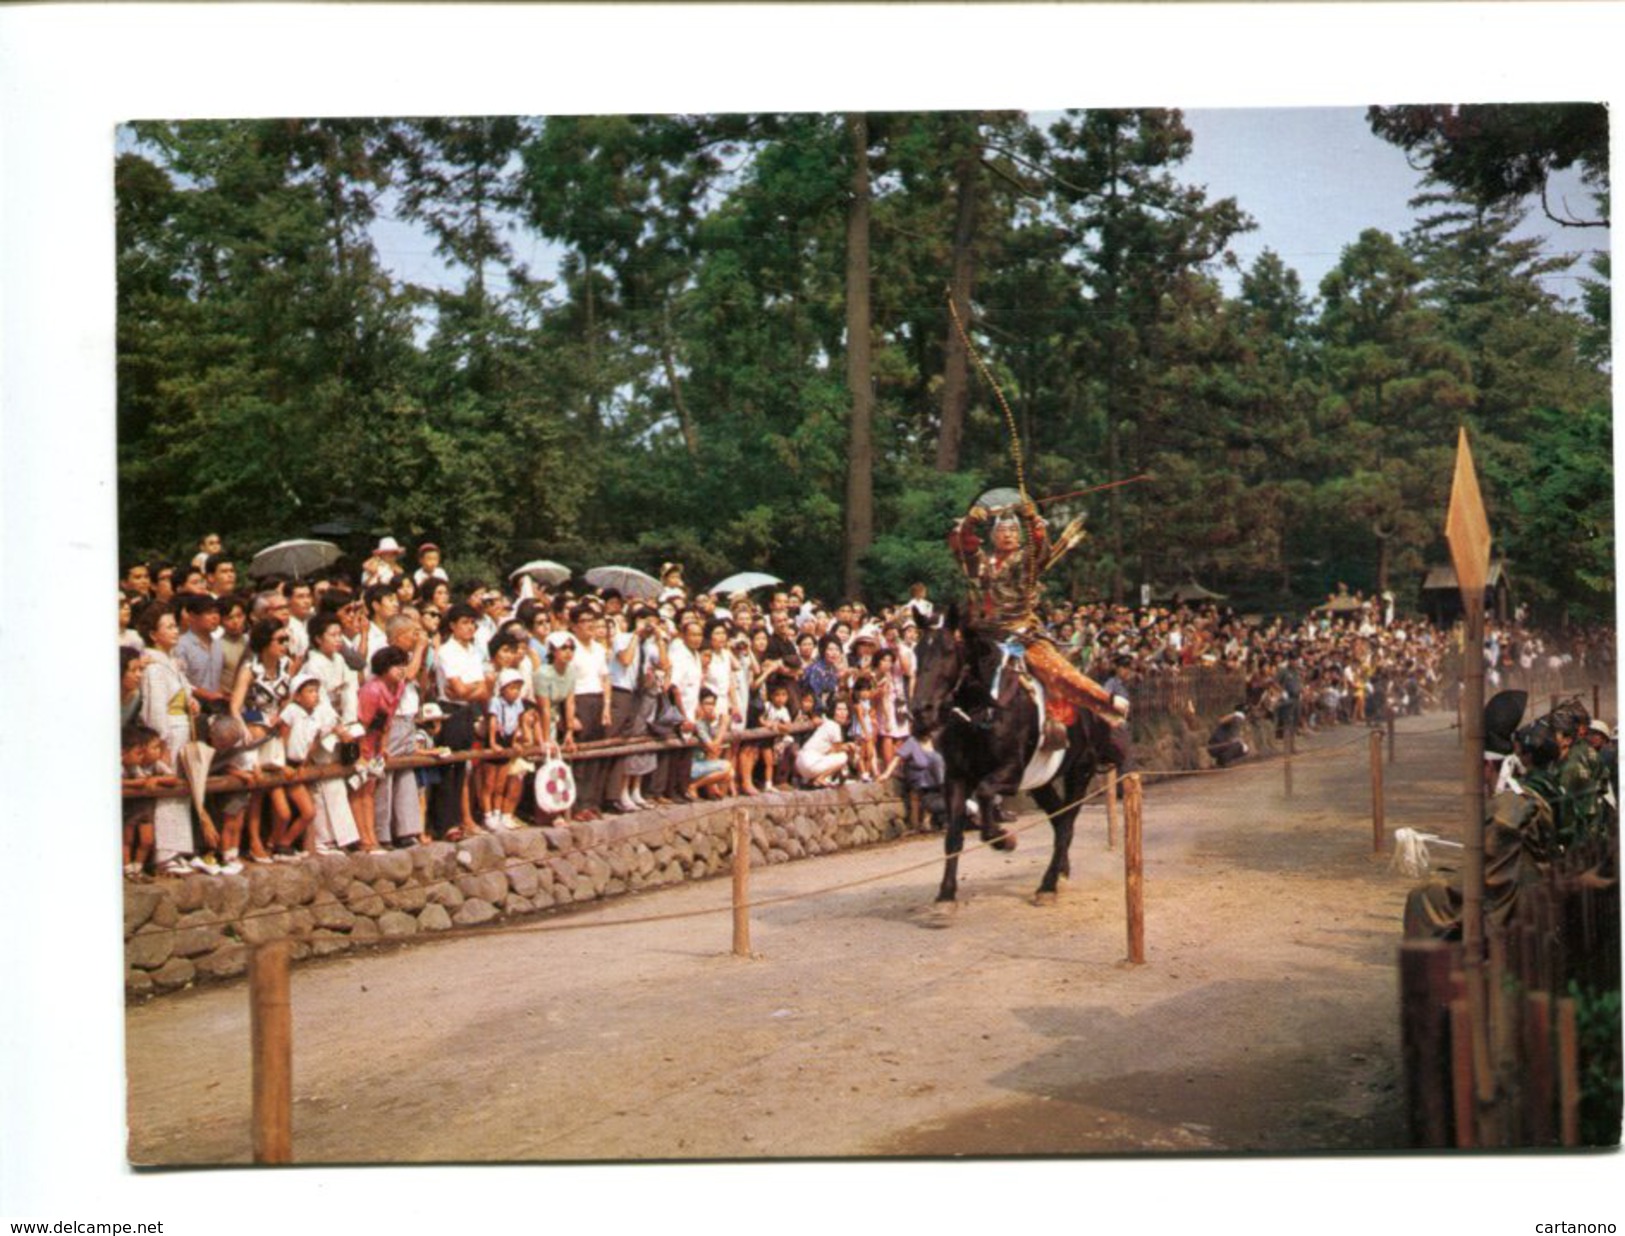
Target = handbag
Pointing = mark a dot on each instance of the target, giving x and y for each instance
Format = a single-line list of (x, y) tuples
[(555, 786)]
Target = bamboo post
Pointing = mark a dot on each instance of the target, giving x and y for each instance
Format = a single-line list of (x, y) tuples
[(1378, 820), (1424, 977), (1568, 1071), (741, 882), (1540, 1105), (271, 1041), (1133, 866), (1111, 806), (1461, 1074)]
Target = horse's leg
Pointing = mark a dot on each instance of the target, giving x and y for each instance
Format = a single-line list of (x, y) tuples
[(1062, 809), (987, 816), (953, 839)]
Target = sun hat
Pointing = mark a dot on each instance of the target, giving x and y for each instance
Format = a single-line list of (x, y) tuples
[(508, 677), (561, 639), (304, 680), (389, 545), (431, 712), (1602, 727)]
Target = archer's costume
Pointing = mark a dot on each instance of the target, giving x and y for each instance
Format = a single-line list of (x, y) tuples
[(1003, 587)]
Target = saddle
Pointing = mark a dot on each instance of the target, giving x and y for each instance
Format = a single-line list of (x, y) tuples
[(1057, 713)]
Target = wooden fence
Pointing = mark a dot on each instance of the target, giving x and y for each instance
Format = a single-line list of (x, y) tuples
[(1523, 1054)]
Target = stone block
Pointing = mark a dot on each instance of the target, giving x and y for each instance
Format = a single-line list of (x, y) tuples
[(558, 838), (433, 917), (409, 897), (149, 947), (301, 922), (362, 900), (395, 865), (174, 974), (364, 929), (486, 851), (522, 879), (582, 889), (226, 896), (489, 886), (295, 883), (227, 961), (392, 923), (383, 886), (137, 983), (196, 934), (473, 912), (513, 903), (434, 861), (140, 900), (615, 888), (186, 891), (333, 870), (446, 895), (265, 925), (261, 884), (542, 898), (327, 943), (332, 916)]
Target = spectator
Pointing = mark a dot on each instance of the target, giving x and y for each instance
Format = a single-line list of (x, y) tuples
[(778, 759), (554, 683), (593, 709), (220, 573), (208, 545), (264, 680), (233, 637), (322, 817), (1225, 745), (429, 566), (301, 598), (167, 708), (513, 724), (131, 664), (824, 757), (466, 686), (144, 768), (384, 564), (713, 773), (397, 809), (200, 656)]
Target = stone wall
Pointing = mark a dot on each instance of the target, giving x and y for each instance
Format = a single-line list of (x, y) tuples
[(189, 929), (194, 928)]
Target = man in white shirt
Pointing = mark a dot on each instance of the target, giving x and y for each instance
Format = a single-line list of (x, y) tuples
[(593, 707), (466, 681)]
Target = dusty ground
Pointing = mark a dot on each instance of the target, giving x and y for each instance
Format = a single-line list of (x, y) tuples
[(1265, 1018)]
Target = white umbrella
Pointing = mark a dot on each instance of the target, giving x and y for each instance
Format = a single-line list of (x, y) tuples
[(543, 571), (296, 558), (745, 581), (628, 581)]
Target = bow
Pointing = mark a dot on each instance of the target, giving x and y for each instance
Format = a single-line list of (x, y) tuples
[(1009, 417)]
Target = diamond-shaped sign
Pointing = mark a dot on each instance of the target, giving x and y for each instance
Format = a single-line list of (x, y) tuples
[(1467, 527)]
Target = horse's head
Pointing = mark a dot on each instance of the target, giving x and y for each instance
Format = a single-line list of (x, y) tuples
[(940, 661)]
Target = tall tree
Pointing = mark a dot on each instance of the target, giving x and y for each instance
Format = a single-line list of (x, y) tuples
[(860, 427)]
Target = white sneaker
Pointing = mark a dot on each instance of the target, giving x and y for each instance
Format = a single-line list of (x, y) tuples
[(132, 869), (638, 801), (626, 804), (176, 867), (231, 868)]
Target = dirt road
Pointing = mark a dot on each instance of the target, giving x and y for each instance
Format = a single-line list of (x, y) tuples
[(1264, 1020)]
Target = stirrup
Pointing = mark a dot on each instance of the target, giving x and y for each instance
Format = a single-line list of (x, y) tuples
[(1055, 736)]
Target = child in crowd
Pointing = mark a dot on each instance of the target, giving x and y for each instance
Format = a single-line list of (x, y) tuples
[(314, 730), (781, 753), (375, 705), (298, 730), (713, 772), (514, 723), (142, 758), (427, 740), (865, 728), (229, 738)]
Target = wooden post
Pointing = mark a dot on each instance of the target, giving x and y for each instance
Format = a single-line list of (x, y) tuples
[(1378, 821), (741, 875), (1568, 1071), (1540, 1103), (1111, 806), (1461, 1074), (1390, 736), (1291, 750), (1424, 981), (1133, 866), (270, 1021)]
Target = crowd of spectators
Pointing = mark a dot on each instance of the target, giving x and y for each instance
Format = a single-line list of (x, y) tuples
[(357, 669)]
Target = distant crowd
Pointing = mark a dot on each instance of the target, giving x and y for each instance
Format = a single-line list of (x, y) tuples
[(240, 678)]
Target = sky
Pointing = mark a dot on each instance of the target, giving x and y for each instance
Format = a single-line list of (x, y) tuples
[(1312, 178), (70, 73)]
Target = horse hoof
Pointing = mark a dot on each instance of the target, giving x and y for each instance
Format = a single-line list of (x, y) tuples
[(1045, 899), (1005, 842), (941, 913)]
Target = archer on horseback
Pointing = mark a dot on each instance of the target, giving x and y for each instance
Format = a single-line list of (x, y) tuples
[(1002, 582)]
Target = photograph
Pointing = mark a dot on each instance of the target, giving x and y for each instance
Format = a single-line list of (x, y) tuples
[(817, 637)]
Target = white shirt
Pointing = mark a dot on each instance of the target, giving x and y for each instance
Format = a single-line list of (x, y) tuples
[(464, 662), (592, 668), (685, 676)]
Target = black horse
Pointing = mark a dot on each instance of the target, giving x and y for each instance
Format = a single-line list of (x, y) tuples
[(987, 742)]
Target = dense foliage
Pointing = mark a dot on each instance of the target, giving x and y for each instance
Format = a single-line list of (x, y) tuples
[(683, 386)]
